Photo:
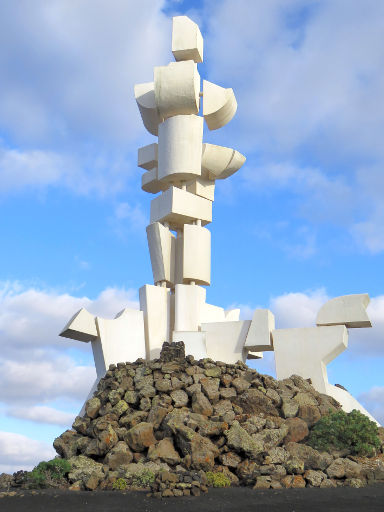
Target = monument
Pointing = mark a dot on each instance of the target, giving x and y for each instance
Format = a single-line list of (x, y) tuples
[(181, 171)]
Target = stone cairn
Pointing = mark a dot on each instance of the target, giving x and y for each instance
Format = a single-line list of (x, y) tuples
[(177, 419)]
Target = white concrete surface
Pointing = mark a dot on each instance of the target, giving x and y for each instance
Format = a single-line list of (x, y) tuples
[(225, 340), (150, 183), (259, 337), (81, 327), (180, 148), (189, 302), (177, 89), (155, 303), (145, 99), (187, 41), (219, 105), (162, 249), (219, 162), (232, 315), (202, 187), (211, 313), (179, 207), (147, 156), (347, 401), (348, 310), (194, 343), (196, 255)]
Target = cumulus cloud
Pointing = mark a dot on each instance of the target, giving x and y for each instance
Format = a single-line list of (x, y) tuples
[(42, 414), (21, 452)]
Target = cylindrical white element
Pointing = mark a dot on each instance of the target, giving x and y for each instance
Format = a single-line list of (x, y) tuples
[(219, 162), (147, 156), (189, 302), (179, 207), (150, 183), (145, 99), (197, 255), (162, 248), (187, 41), (180, 148), (219, 105), (177, 89)]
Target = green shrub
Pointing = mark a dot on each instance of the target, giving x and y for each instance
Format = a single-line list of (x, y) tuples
[(49, 474), (217, 479), (143, 478), (340, 430), (119, 485)]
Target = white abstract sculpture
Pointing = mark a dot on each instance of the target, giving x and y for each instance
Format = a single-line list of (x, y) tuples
[(182, 170)]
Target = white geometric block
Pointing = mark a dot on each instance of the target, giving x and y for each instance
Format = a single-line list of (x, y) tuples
[(197, 255), (219, 162), (178, 207), (121, 339), (194, 342), (211, 313), (225, 340), (179, 257), (307, 351), (177, 89), (232, 315), (348, 310), (145, 99), (81, 327), (180, 148), (162, 250), (219, 105), (187, 41), (155, 302), (202, 188), (255, 355), (147, 156), (189, 301), (259, 337), (150, 183)]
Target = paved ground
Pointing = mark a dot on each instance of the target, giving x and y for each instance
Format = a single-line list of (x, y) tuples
[(369, 499)]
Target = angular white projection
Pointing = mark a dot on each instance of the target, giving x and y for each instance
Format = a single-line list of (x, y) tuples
[(219, 105), (348, 310), (196, 255), (255, 355), (219, 162), (211, 313), (145, 99), (225, 340), (307, 351), (189, 303), (178, 207), (177, 89), (232, 315), (147, 156), (81, 327), (194, 343), (187, 41), (155, 302), (202, 187), (347, 401), (180, 147), (150, 183), (259, 336), (113, 341), (162, 249)]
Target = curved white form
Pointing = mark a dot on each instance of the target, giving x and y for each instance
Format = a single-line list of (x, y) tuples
[(180, 147), (161, 243), (196, 255), (145, 99), (187, 41), (348, 310), (150, 183), (177, 89), (219, 105), (147, 156), (220, 162)]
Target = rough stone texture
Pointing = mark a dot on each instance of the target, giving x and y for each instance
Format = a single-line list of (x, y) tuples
[(314, 478), (92, 407), (239, 440), (120, 455), (165, 451), (172, 351), (140, 436), (297, 430), (201, 404), (312, 458), (179, 397), (290, 408)]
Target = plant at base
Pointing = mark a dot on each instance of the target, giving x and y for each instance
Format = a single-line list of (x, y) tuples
[(49, 474), (119, 485), (143, 478), (340, 430), (217, 479)]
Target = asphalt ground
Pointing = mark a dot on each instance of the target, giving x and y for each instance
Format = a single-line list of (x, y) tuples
[(241, 499)]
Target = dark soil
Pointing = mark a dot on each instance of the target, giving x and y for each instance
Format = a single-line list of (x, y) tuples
[(368, 499)]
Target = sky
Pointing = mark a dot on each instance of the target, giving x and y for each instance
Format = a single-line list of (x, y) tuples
[(300, 223)]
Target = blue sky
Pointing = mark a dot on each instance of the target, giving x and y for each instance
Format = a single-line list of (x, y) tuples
[(301, 222)]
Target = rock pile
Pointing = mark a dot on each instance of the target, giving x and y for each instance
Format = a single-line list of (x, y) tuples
[(171, 417)]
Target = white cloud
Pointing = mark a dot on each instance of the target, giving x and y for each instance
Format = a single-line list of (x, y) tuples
[(21, 452), (297, 309), (374, 401), (42, 414)]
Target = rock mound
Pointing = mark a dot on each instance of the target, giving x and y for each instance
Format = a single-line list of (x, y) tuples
[(164, 424)]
